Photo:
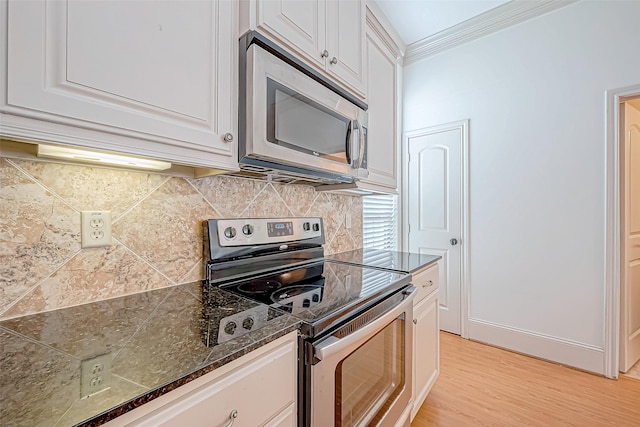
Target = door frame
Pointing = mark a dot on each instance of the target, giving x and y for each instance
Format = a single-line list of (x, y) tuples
[(613, 287), (463, 125)]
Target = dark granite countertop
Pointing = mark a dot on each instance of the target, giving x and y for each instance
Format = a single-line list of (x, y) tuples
[(406, 262), (156, 342)]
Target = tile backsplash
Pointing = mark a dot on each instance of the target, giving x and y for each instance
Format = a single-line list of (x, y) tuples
[(156, 224)]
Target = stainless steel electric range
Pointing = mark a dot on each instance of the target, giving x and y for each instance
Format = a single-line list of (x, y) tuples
[(355, 342)]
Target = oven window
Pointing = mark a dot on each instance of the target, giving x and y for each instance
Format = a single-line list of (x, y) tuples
[(370, 379), (295, 121)]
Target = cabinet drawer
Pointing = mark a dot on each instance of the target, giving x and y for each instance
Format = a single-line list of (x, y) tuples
[(262, 391), (426, 281)]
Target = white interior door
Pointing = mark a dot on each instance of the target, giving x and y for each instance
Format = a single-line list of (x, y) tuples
[(436, 209), (630, 295)]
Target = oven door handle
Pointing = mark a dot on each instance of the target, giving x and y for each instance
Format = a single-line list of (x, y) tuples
[(332, 345)]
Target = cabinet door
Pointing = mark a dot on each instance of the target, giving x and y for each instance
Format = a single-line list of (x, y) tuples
[(426, 344), (298, 24), (382, 99), (345, 42), (287, 418), (158, 72)]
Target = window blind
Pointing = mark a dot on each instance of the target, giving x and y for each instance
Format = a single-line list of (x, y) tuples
[(380, 222)]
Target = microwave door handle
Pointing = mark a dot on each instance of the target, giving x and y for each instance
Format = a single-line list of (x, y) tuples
[(361, 147), (348, 141), (333, 345)]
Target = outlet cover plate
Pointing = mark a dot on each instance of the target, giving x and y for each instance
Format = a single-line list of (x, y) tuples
[(95, 375), (96, 229)]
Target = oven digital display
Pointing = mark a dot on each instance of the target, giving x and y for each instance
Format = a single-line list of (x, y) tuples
[(277, 229)]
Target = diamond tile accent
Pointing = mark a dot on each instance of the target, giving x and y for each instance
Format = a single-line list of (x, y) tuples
[(267, 204), (88, 188), (38, 233), (341, 242), (228, 195), (158, 219), (298, 198), (323, 207), (92, 275), (341, 203), (356, 221), (166, 228)]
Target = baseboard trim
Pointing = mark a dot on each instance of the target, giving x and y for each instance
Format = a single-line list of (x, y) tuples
[(577, 355)]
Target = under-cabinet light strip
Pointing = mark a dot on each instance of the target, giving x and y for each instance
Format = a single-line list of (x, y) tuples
[(96, 157)]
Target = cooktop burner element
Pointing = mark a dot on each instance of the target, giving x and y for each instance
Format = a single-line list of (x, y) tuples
[(294, 291), (259, 286)]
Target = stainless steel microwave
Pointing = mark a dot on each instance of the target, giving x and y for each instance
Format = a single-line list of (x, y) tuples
[(294, 122)]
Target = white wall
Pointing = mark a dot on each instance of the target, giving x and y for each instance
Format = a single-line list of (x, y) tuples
[(535, 97)]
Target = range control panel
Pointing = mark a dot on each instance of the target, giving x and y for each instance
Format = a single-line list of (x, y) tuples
[(257, 231), (279, 229)]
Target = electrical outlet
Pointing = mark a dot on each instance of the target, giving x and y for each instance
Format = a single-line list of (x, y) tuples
[(95, 375), (96, 229), (347, 220)]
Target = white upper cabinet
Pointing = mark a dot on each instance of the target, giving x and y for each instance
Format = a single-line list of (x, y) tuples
[(382, 81), (345, 42), (329, 35), (152, 78)]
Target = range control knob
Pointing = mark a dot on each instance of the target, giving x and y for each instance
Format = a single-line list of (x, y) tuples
[(230, 327), (229, 232), (247, 229), (248, 323), (306, 226), (316, 226)]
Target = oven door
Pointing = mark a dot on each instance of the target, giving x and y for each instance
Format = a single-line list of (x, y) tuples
[(292, 119), (364, 378)]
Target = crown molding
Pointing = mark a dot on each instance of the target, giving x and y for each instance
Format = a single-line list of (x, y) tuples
[(379, 24), (496, 19)]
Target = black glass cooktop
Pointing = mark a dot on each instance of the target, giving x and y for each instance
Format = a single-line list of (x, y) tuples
[(321, 294)]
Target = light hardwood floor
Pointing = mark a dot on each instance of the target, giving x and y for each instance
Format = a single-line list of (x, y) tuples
[(480, 385), (634, 372)]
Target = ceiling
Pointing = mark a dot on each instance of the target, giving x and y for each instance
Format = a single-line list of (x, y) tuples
[(427, 27), (415, 20)]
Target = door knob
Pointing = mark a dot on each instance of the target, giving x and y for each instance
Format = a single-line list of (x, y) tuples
[(333, 61), (453, 242), (324, 53)]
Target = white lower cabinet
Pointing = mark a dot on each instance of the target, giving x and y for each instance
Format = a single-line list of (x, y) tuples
[(260, 388), (286, 418), (155, 79), (426, 336)]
